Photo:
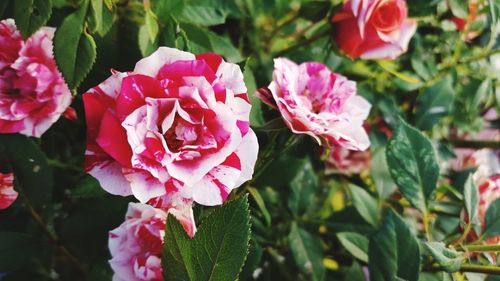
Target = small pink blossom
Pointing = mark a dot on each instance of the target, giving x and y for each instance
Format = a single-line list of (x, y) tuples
[(178, 123), (33, 94), (136, 245), (7, 193), (373, 29), (348, 161), (317, 102)]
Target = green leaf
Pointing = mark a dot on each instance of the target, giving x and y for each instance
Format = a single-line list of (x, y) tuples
[(87, 187), (307, 253), (381, 176), (202, 15), (449, 259), (166, 9), (355, 243), (355, 273), (471, 202), (492, 219), (393, 251), (102, 17), (412, 164), (302, 188), (434, 103), (30, 15), (151, 25), (218, 250), (30, 167), (459, 8), (365, 204), (261, 204), (74, 48), (146, 46), (17, 249), (252, 262), (256, 117)]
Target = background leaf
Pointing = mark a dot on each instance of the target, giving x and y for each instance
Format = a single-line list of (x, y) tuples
[(307, 253), (355, 243), (218, 250), (434, 103), (492, 219), (30, 15), (412, 164), (365, 204), (449, 259)]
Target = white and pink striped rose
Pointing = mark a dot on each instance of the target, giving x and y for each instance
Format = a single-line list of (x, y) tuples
[(7, 193), (136, 245), (178, 123), (317, 102), (33, 94)]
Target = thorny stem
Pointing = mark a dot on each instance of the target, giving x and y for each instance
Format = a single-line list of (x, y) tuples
[(39, 220)]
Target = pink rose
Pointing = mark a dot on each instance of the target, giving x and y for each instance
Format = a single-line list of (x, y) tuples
[(7, 193), (178, 123), (136, 245), (348, 161), (33, 94), (317, 102), (373, 29)]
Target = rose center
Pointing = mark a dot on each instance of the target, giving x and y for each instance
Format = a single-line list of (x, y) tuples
[(181, 134), (388, 16)]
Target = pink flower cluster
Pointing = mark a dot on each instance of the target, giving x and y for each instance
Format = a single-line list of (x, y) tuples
[(33, 94), (373, 29), (7, 193)]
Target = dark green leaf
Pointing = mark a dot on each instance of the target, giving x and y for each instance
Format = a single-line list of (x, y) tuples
[(166, 9), (307, 253), (218, 250), (448, 259), (355, 243), (492, 219), (261, 204), (393, 251), (202, 15), (3, 6), (30, 167), (412, 164), (16, 249), (434, 103), (302, 188), (365, 204), (102, 17), (252, 262), (355, 273), (30, 15), (74, 48)]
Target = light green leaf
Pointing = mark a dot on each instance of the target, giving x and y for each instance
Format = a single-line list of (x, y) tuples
[(434, 103), (449, 259), (381, 176), (355, 243), (256, 117), (145, 45), (102, 17), (459, 8), (261, 204), (393, 251), (307, 253), (202, 15), (365, 204), (218, 250), (74, 48), (412, 164), (151, 25), (355, 273), (30, 15), (471, 201), (492, 219)]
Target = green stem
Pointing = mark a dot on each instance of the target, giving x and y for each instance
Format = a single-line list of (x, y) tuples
[(475, 144), (482, 248), (463, 236), (488, 269), (426, 222), (304, 43)]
